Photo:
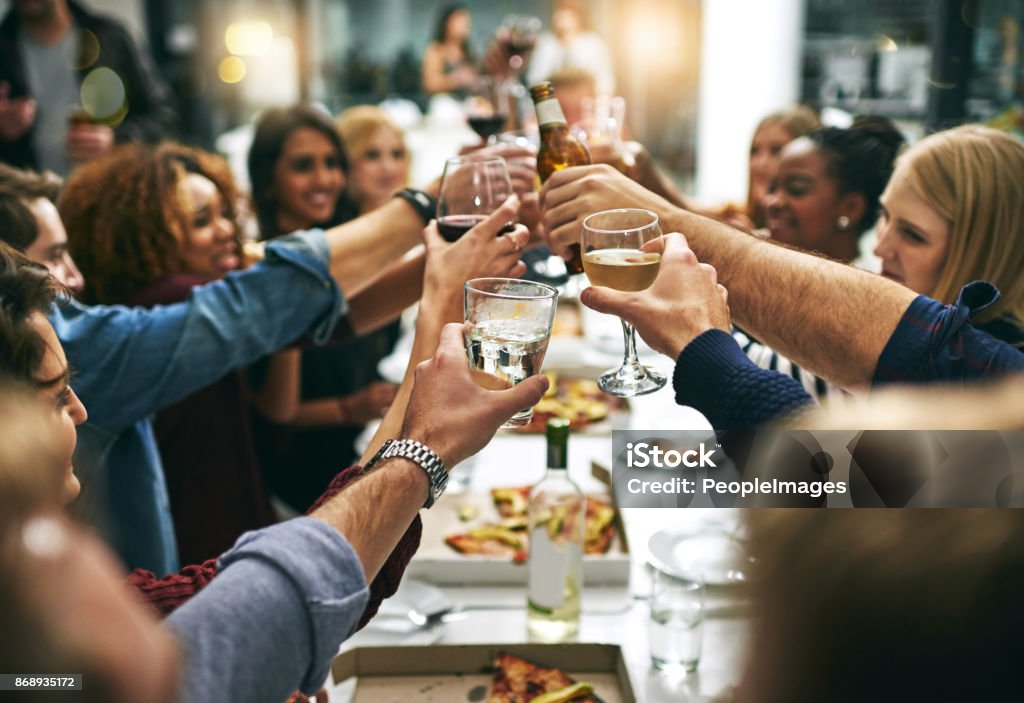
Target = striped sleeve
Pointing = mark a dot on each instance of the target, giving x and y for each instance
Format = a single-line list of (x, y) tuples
[(767, 358)]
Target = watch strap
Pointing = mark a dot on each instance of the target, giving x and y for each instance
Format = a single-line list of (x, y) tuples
[(423, 203), (421, 455)]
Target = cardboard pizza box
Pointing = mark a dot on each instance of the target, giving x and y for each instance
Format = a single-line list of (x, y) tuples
[(463, 672)]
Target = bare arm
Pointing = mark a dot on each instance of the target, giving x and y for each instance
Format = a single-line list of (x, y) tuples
[(477, 253), (828, 317), (278, 397), (449, 413), (390, 293), (364, 247)]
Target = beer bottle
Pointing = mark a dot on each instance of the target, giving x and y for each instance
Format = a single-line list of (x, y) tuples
[(558, 148)]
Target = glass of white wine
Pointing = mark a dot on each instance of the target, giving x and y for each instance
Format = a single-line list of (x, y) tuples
[(612, 257), (507, 329)]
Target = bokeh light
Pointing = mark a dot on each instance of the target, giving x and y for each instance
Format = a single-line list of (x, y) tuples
[(249, 38), (231, 70), (103, 94)]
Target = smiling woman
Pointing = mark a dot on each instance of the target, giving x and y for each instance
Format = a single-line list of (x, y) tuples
[(825, 195), (147, 224)]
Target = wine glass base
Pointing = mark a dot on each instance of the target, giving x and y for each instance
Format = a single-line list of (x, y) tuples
[(624, 382)]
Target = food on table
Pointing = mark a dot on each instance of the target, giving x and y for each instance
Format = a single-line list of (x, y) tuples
[(578, 400), (508, 538), (517, 680)]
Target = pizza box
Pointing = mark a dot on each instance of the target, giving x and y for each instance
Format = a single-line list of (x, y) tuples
[(438, 563), (463, 672)]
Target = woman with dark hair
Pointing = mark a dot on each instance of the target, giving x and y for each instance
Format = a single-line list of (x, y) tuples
[(147, 224), (298, 169), (825, 196), (448, 62)]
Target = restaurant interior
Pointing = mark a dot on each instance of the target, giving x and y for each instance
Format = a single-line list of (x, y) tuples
[(773, 447)]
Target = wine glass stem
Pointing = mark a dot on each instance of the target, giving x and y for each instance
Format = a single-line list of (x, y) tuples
[(629, 358)]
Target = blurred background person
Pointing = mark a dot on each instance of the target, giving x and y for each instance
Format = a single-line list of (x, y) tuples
[(572, 43), (772, 133), (29, 222), (298, 169), (46, 121), (377, 155), (148, 224), (449, 65), (912, 605), (576, 90)]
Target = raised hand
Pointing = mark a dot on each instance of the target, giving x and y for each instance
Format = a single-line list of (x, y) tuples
[(16, 115), (453, 415), (684, 301), (569, 196)]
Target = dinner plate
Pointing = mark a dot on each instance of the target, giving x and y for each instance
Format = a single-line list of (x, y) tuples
[(716, 556)]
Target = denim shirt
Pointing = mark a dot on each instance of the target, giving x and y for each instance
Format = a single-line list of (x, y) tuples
[(128, 363)]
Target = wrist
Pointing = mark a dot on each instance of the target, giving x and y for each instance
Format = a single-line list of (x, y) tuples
[(344, 409), (422, 202), (416, 452)]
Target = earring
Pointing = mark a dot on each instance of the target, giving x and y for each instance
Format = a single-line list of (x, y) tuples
[(843, 222)]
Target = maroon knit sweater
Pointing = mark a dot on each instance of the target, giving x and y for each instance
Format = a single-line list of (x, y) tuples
[(171, 591)]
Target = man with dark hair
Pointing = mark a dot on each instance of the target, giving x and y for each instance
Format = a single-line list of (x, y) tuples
[(55, 112), (29, 222)]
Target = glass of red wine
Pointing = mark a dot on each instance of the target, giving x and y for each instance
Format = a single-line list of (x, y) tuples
[(487, 108), (472, 187), (521, 32)]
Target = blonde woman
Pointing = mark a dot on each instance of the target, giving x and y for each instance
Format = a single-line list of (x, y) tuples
[(952, 214), (378, 157)]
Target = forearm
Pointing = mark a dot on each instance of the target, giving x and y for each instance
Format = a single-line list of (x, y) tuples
[(362, 248), (713, 375), (428, 330), (830, 318), (324, 412), (375, 511), (278, 398), (390, 293)]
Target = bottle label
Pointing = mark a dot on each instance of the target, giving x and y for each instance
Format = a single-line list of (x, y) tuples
[(550, 112), (550, 567)]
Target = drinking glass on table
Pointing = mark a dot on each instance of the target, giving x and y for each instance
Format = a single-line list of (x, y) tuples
[(487, 108), (472, 187), (676, 628), (612, 257), (508, 326)]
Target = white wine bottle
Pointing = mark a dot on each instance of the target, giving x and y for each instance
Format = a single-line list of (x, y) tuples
[(558, 148), (557, 525)]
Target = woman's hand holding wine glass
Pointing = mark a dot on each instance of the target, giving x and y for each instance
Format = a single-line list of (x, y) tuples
[(472, 187)]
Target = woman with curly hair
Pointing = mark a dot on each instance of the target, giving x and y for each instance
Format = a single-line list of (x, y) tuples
[(300, 179), (146, 224)]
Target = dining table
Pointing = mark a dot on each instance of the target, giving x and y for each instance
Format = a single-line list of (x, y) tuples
[(612, 613)]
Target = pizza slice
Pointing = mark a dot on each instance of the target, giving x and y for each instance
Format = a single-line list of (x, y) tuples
[(517, 680), (491, 540)]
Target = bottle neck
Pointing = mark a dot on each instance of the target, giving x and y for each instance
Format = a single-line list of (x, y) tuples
[(557, 458), (549, 112)]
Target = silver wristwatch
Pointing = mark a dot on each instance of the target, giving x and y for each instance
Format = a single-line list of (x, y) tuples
[(420, 454)]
